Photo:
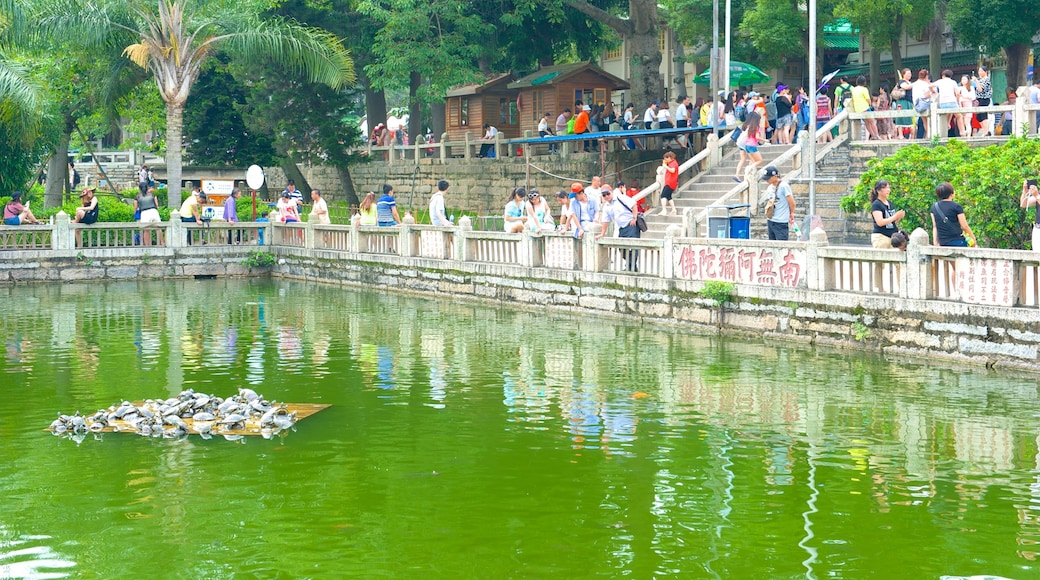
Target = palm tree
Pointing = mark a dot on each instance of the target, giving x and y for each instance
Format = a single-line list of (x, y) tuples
[(19, 101), (173, 38)]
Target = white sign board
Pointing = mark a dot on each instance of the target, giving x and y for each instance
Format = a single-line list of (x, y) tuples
[(218, 186), (255, 177)]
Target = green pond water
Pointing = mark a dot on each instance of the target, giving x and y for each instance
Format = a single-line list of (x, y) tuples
[(476, 441)]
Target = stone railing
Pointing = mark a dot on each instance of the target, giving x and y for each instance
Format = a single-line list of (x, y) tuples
[(1005, 278), (63, 234)]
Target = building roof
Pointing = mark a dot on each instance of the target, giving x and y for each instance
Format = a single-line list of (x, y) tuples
[(499, 81), (849, 42), (956, 59), (551, 75)]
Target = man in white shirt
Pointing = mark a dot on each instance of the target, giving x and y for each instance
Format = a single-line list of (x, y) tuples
[(616, 210), (650, 115), (682, 117), (437, 216), (594, 188)]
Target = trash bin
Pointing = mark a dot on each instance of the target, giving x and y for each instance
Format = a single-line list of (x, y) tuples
[(739, 221), (718, 225)]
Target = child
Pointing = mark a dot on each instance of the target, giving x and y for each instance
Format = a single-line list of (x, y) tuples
[(260, 231)]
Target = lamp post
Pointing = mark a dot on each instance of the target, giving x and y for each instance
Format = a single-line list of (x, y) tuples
[(812, 110), (729, 52), (715, 76)]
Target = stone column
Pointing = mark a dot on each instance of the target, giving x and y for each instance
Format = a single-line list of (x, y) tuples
[(177, 236), (462, 249), (355, 235), (526, 253), (444, 147), (714, 146), (468, 151), (1020, 116), (501, 149), (816, 269), (61, 234), (667, 260), (803, 157), (918, 267), (308, 235)]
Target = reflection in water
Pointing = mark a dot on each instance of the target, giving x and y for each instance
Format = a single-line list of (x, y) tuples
[(30, 557), (657, 453)]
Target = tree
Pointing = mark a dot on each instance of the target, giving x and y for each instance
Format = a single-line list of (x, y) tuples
[(883, 22), (175, 37), (996, 25), (19, 104), (779, 29), (640, 29)]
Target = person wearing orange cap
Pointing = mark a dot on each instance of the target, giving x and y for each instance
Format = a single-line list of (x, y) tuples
[(585, 209)]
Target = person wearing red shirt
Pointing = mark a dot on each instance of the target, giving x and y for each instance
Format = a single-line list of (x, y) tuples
[(671, 181)]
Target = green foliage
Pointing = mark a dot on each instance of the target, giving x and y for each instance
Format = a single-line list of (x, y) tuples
[(860, 332), (718, 291), (259, 259), (993, 24), (214, 126), (987, 181)]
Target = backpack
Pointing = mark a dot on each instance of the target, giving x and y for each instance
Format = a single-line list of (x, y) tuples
[(740, 111), (771, 207), (922, 104), (570, 125)]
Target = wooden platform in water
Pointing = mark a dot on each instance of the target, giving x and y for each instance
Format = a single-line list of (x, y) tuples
[(252, 425)]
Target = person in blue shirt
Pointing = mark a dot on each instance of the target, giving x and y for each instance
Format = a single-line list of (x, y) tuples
[(386, 208)]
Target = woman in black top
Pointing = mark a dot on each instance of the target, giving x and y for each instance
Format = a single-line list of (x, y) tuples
[(949, 226), (885, 216)]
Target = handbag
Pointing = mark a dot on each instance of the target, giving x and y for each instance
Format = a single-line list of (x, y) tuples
[(770, 206), (641, 222), (922, 104)]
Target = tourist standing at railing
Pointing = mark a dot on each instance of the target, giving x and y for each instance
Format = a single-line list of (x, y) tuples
[(682, 118), (386, 208), (984, 95), (514, 218), (437, 215), (16, 214), (147, 207), (784, 116), (947, 93), (617, 211), (487, 148), (319, 210), (367, 209), (884, 214), (230, 216), (294, 194), (921, 97), (861, 104), (1031, 199), (885, 126), (949, 226), (191, 210), (965, 98), (595, 185), (779, 225)]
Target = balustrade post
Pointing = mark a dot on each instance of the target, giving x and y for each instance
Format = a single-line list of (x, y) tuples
[(933, 121), (500, 151), (815, 265), (392, 152), (308, 235), (177, 236), (444, 146), (526, 252), (1020, 116), (355, 233), (754, 191), (418, 151), (462, 250), (61, 234), (404, 242), (667, 247), (918, 274), (468, 153), (714, 146)]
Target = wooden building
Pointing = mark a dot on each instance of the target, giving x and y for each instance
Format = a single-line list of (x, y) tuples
[(470, 106), (552, 88)]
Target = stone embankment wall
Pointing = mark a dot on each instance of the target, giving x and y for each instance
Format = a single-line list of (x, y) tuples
[(483, 185), (898, 327), (27, 266)]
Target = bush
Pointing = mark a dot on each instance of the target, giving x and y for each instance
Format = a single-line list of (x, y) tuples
[(987, 182)]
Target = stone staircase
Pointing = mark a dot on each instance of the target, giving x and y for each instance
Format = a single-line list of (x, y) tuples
[(704, 189)]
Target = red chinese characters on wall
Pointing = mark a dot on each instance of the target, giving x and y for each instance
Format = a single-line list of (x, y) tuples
[(766, 266)]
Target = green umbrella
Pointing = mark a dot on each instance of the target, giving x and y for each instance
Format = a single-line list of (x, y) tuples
[(741, 74)]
